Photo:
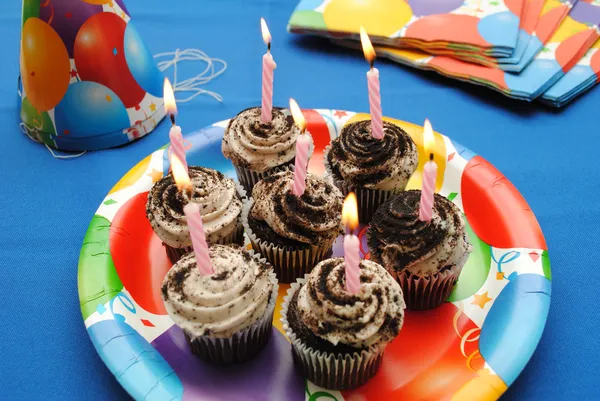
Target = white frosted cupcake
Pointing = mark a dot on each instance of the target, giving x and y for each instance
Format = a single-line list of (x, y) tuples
[(374, 169), (258, 149), (426, 257), (226, 316), (338, 338), (293, 233), (220, 202)]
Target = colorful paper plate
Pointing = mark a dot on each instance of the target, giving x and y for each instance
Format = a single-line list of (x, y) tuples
[(471, 348)]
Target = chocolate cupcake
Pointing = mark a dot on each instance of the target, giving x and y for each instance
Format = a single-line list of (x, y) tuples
[(258, 149), (426, 257), (374, 169), (338, 338), (219, 199), (293, 233), (226, 316)]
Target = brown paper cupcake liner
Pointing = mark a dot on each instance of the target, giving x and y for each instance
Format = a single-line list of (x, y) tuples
[(368, 200), (234, 237), (249, 178), (289, 263), (325, 369), (428, 292), (241, 346)]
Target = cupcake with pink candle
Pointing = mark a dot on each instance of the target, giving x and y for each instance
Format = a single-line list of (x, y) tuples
[(292, 232), (226, 315), (259, 149), (220, 202), (425, 257), (339, 337), (374, 169)]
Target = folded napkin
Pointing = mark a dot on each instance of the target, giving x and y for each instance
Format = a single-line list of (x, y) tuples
[(486, 27), (584, 76), (570, 42)]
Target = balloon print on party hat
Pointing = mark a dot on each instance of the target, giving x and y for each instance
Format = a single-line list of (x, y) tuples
[(88, 79)]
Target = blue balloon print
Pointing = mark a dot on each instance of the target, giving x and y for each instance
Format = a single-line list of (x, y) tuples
[(577, 77), (90, 109), (465, 153), (308, 5), (497, 28), (141, 62), (206, 141), (138, 366), (511, 332), (538, 75)]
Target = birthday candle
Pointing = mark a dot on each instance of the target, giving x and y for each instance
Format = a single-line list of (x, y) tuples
[(177, 146), (429, 175), (302, 150), (267, 75), (194, 221), (351, 244), (374, 87)]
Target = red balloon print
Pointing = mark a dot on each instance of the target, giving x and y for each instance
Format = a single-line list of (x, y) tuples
[(138, 254), (496, 211), (100, 57)]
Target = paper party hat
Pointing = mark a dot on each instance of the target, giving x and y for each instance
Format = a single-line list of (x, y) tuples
[(88, 79)]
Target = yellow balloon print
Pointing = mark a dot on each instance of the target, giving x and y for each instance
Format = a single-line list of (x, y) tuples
[(379, 17), (485, 387), (99, 2), (132, 175), (568, 28)]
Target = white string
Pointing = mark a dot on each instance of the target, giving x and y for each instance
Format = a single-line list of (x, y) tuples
[(29, 131), (214, 68)]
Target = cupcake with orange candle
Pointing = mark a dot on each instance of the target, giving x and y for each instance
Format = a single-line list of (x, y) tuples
[(372, 158), (219, 199), (420, 238), (341, 316)]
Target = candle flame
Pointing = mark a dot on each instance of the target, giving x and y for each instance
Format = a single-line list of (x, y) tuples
[(428, 138), (297, 114), (368, 50), (265, 31), (180, 175), (169, 96), (350, 212)]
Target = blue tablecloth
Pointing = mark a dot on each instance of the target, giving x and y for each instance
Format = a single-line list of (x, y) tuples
[(47, 204)]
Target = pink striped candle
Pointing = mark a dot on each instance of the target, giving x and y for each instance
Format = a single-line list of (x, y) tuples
[(194, 220), (352, 263), (301, 164), (267, 75), (429, 176), (374, 87), (375, 103), (302, 149), (351, 244), (177, 147)]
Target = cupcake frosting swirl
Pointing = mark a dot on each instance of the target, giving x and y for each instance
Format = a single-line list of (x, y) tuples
[(361, 160), (313, 218), (251, 143), (220, 304), (372, 317), (399, 240), (216, 195)]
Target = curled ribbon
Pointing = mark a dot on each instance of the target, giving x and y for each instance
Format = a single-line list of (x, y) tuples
[(505, 258), (126, 302), (466, 338)]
